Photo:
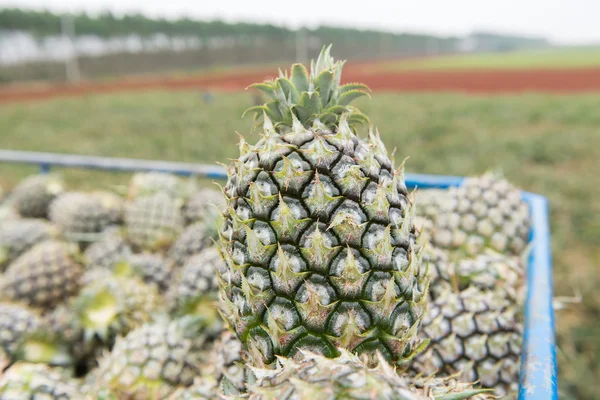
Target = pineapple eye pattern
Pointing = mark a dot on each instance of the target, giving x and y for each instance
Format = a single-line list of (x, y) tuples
[(319, 236)]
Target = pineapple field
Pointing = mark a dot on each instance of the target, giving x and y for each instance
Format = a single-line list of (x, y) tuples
[(332, 279)]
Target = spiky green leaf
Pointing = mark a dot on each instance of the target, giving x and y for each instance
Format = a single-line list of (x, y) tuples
[(263, 87), (348, 97), (288, 88), (300, 77), (324, 85), (354, 86)]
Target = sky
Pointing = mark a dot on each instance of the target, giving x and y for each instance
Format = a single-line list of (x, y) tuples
[(561, 21)]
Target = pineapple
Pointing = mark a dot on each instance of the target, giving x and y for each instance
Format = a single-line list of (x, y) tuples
[(318, 236), (206, 202), (484, 213), (18, 236), (34, 194), (193, 240), (112, 306), (153, 222), (475, 332), (77, 213), (195, 289), (154, 269), (225, 362), (113, 204), (149, 183), (485, 271), (153, 360), (108, 251), (25, 381), (44, 276), (16, 321), (312, 376)]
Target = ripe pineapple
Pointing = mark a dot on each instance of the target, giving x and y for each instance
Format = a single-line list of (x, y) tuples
[(76, 213), (44, 276), (485, 212), (111, 306), (153, 360), (153, 222), (25, 381), (318, 237), (150, 183), (476, 332), (18, 236), (193, 240), (34, 194), (312, 376)]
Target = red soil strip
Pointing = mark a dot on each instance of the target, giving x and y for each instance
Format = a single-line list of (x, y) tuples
[(475, 81)]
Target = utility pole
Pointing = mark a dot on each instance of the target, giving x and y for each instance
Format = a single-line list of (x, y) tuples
[(302, 45), (67, 27)]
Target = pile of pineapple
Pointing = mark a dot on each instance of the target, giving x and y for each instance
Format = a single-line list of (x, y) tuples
[(313, 273)]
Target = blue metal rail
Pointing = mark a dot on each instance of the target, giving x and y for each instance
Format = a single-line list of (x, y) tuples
[(538, 378)]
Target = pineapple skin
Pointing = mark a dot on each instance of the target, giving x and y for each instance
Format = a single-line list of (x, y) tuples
[(477, 332), (32, 196), (44, 276), (152, 361), (26, 381), (16, 321), (20, 235), (77, 212), (153, 222), (318, 235), (486, 212), (195, 238)]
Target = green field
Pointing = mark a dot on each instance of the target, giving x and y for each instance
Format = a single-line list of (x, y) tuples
[(544, 144), (570, 57)]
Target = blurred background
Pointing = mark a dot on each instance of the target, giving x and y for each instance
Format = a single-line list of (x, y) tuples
[(461, 87)]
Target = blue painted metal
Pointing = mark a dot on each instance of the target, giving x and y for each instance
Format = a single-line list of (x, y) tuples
[(538, 379), (539, 374)]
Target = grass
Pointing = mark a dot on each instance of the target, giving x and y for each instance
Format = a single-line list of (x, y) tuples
[(545, 144), (571, 57)]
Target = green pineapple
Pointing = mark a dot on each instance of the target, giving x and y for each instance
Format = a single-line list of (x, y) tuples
[(153, 360), (20, 235), (25, 381), (475, 332), (312, 376), (79, 213), (153, 222), (225, 363), (193, 240), (485, 212), (34, 194), (44, 276), (318, 238), (111, 306)]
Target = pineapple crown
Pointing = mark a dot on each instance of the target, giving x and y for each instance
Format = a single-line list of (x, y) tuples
[(316, 97)]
